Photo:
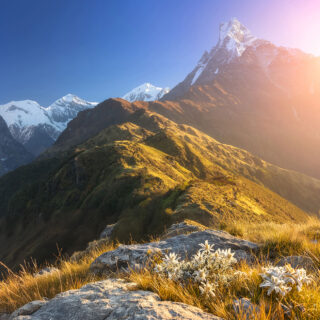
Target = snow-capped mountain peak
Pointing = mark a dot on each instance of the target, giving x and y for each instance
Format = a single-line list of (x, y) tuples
[(235, 37), (27, 119), (23, 113), (67, 108), (70, 99), (145, 92)]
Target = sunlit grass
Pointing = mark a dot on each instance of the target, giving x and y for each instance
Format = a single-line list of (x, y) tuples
[(276, 240), (20, 288), (304, 304)]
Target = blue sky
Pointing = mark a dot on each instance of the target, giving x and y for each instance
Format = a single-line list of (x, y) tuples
[(102, 48)]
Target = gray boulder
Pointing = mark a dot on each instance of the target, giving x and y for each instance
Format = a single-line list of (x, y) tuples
[(113, 299), (136, 256), (298, 262)]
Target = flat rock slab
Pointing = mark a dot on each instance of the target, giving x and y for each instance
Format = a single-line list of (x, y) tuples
[(136, 256), (28, 308), (113, 299)]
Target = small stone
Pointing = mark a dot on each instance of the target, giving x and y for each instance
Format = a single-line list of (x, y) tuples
[(28, 308), (46, 271), (245, 307)]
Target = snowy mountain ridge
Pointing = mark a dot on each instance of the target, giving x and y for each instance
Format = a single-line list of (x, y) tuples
[(235, 37), (27, 118), (146, 92), (37, 127), (234, 40)]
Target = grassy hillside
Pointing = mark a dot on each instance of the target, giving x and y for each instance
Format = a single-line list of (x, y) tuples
[(144, 174), (209, 114)]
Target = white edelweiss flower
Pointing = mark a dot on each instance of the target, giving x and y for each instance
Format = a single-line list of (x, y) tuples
[(158, 268), (172, 257), (206, 247), (207, 289), (284, 279), (198, 256), (200, 275), (206, 267)]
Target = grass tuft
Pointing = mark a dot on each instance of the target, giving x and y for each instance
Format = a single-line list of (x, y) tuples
[(17, 289)]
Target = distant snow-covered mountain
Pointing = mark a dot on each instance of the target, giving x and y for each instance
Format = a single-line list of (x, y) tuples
[(146, 92), (37, 127), (67, 108), (234, 40)]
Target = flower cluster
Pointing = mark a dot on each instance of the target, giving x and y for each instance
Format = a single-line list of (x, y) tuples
[(282, 280), (208, 268)]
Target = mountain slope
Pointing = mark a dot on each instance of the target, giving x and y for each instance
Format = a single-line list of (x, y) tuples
[(295, 187), (12, 153), (234, 40), (256, 96), (142, 174), (145, 92)]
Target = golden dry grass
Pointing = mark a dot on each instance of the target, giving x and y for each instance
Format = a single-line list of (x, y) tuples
[(305, 304), (279, 239), (20, 288), (276, 240), (282, 239)]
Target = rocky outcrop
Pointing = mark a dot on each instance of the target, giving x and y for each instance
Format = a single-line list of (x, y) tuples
[(112, 299), (136, 256), (184, 227), (107, 231)]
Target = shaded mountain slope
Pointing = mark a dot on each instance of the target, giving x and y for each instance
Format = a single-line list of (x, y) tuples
[(246, 107), (143, 174), (254, 95), (12, 153)]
